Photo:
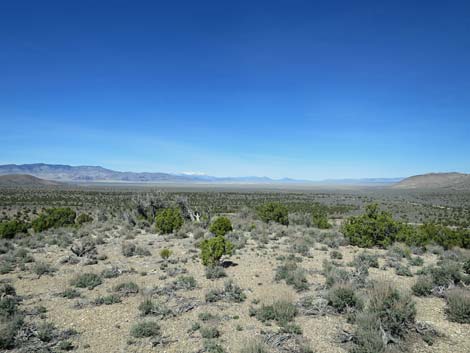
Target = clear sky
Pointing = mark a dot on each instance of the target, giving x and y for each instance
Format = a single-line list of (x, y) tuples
[(301, 89)]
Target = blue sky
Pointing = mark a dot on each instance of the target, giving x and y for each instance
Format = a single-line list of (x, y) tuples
[(301, 89)]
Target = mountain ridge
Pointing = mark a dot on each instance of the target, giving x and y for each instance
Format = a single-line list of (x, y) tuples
[(68, 173)]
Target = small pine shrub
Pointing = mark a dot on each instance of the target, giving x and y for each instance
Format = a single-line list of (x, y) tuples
[(54, 218), (221, 226), (213, 249), (320, 218), (165, 253), (168, 220), (274, 212), (8, 229)]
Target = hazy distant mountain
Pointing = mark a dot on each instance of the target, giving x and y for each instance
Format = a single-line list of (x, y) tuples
[(456, 181), (15, 180), (67, 173)]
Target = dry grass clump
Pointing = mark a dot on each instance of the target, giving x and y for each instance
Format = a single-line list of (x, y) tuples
[(384, 321), (255, 346), (86, 280), (458, 305), (231, 293)]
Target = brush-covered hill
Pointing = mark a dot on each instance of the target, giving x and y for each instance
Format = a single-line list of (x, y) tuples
[(19, 180), (455, 181)]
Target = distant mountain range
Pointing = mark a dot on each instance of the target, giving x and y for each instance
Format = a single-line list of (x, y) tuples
[(454, 181), (67, 173)]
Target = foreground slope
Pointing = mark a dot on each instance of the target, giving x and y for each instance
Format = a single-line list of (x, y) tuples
[(15, 180)]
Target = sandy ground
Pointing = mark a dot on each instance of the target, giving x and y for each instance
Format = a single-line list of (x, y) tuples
[(106, 328)]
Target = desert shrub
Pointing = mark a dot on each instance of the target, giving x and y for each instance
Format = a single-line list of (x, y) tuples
[(8, 229), (129, 249), (399, 251), (423, 286), (84, 218), (206, 316), (165, 253), (301, 219), (185, 282), (282, 311), (293, 275), (237, 239), (214, 272), (211, 346), (342, 298), (416, 261), (274, 212), (127, 288), (70, 293), (221, 226), (45, 331), (366, 259), (335, 254), (373, 228), (9, 330), (111, 272), (209, 332), (168, 220), (447, 274), (213, 249), (402, 270), (145, 329), (385, 320), (54, 218), (335, 275), (466, 267), (23, 256), (108, 300), (320, 218), (231, 293), (86, 280), (43, 268), (150, 307), (65, 345), (458, 305)]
